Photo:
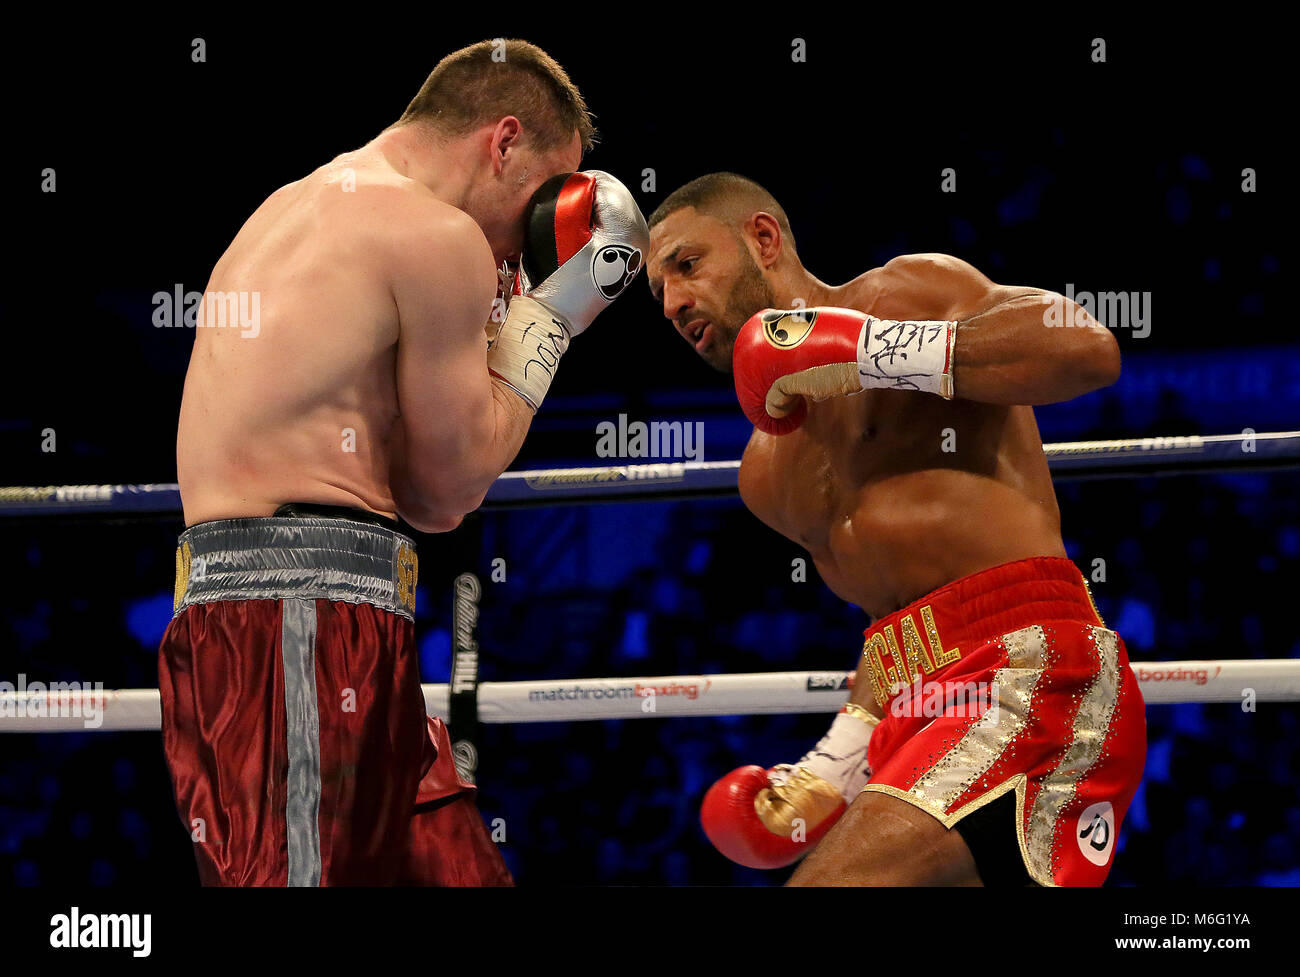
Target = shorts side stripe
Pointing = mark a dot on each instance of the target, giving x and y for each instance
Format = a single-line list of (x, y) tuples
[(1091, 724), (302, 739), (977, 751)]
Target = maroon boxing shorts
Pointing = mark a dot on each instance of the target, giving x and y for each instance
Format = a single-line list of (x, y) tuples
[(293, 720)]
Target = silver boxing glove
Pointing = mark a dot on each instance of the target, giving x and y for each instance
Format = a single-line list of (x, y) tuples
[(585, 241)]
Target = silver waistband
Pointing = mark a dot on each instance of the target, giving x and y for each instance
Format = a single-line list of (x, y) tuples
[(307, 557)]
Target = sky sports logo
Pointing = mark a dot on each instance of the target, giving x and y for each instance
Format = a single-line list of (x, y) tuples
[(828, 682)]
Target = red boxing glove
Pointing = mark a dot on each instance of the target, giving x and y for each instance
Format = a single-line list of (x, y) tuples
[(753, 824), (782, 357), (772, 818)]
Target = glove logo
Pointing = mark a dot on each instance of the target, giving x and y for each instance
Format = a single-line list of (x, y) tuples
[(465, 758), (613, 269), (1096, 832), (786, 330)]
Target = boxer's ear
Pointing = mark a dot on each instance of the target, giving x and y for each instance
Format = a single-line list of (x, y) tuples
[(766, 233), (507, 136)]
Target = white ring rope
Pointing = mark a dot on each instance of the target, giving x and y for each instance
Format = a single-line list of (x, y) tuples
[(50, 710)]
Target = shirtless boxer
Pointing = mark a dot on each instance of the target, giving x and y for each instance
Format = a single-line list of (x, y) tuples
[(293, 721), (895, 439)]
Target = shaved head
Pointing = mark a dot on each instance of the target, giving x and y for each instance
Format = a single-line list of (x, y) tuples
[(728, 197)]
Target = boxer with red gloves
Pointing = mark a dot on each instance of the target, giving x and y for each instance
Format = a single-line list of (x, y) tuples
[(895, 440)]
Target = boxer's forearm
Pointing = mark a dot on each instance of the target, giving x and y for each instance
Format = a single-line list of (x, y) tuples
[(418, 506), (512, 418), (1009, 354), (436, 490), (420, 503)]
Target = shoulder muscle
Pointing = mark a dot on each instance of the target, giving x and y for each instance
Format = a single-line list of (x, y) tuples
[(936, 285), (441, 266)]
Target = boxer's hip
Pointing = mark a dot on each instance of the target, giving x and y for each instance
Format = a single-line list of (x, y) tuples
[(296, 557), (946, 634), (293, 722)]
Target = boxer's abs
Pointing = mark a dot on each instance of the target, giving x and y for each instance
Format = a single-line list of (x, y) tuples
[(885, 520)]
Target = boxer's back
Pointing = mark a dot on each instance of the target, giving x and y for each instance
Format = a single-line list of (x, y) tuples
[(297, 401)]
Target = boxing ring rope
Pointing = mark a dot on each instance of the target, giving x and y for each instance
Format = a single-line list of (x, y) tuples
[(564, 700), (663, 697), (1068, 461)]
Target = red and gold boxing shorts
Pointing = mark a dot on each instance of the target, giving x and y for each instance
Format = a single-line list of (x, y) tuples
[(293, 721), (1008, 681)]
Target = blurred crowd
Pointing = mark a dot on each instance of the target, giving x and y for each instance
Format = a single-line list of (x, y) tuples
[(1194, 567)]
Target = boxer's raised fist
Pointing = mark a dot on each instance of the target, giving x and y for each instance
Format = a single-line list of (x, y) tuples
[(772, 818), (585, 240), (761, 824), (782, 358)]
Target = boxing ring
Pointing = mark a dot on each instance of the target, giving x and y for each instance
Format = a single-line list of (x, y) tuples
[(465, 701)]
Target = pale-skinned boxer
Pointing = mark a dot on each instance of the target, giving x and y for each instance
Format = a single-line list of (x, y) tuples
[(895, 439), (293, 721)]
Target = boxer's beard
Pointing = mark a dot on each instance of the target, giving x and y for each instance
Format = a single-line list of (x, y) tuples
[(749, 294)]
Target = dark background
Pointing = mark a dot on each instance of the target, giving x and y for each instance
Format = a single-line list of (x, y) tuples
[(1122, 176)]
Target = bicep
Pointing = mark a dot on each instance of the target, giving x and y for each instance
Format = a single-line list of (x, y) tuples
[(444, 393)]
